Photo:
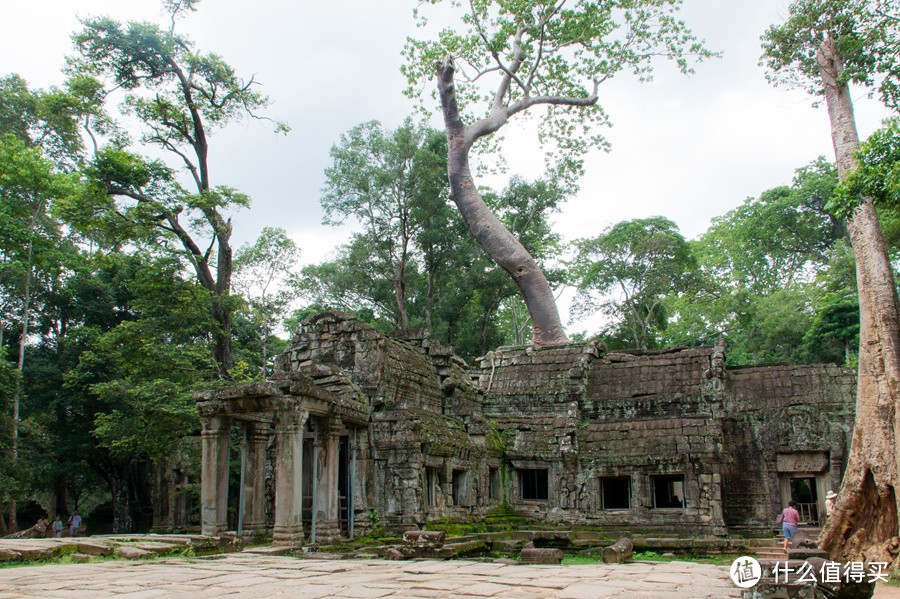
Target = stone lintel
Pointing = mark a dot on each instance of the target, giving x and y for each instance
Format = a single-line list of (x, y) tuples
[(805, 461)]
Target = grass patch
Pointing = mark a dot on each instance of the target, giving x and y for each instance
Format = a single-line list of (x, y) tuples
[(652, 556)]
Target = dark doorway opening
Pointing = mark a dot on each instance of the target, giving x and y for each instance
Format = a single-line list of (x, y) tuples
[(803, 491), (534, 485), (615, 492)]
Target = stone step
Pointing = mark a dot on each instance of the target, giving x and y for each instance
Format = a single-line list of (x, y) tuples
[(771, 553)]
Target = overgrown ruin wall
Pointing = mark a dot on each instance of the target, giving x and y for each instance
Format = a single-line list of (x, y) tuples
[(573, 435)]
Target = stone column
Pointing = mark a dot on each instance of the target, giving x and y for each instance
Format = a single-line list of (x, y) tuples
[(288, 476), (255, 479), (328, 527), (214, 475)]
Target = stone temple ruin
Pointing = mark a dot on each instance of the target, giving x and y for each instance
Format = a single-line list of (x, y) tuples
[(358, 428)]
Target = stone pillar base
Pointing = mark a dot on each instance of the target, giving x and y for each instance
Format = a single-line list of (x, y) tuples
[(328, 531), (287, 537)]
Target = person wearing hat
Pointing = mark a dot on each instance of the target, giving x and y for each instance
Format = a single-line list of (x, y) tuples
[(829, 503)]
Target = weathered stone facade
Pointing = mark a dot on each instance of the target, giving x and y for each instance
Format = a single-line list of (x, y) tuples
[(395, 431)]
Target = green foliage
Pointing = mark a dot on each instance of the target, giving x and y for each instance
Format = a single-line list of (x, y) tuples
[(414, 254), (782, 237), (628, 271), (865, 34), (764, 269), (510, 55), (177, 98), (140, 357), (265, 278), (46, 120), (878, 173), (141, 55)]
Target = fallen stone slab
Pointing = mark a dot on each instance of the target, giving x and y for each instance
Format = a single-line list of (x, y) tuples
[(585, 538), (507, 545), (35, 553), (467, 547), (392, 554), (80, 558), (541, 555), (445, 552), (8, 555), (128, 552), (157, 547), (89, 548), (428, 539), (279, 550)]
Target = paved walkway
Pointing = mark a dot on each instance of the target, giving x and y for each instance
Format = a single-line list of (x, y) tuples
[(248, 575)]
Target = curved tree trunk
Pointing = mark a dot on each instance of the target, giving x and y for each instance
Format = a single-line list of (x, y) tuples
[(502, 247), (864, 525)]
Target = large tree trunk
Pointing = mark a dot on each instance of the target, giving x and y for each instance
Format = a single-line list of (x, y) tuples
[(222, 338), (62, 497), (121, 500), (864, 525), (400, 294), (502, 247)]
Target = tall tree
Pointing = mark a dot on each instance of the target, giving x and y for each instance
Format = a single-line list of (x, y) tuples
[(546, 55), (28, 184), (824, 46), (629, 270), (265, 277), (390, 182), (763, 266), (138, 344), (179, 97)]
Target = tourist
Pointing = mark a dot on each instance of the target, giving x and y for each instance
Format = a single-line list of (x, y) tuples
[(829, 503), (74, 524), (789, 520), (42, 527), (57, 527)]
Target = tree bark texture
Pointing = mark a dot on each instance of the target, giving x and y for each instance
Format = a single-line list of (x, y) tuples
[(121, 500), (502, 247), (864, 525)]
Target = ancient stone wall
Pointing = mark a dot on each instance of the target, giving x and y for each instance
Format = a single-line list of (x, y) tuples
[(667, 440), (775, 418)]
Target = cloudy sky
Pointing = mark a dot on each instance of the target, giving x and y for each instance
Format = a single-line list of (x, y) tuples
[(689, 148)]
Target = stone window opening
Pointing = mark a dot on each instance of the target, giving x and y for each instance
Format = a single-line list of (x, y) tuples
[(432, 486), (493, 484), (460, 486), (534, 484), (668, 491), (615, 492)]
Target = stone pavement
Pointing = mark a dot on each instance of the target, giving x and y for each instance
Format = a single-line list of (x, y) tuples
[(254, 575)]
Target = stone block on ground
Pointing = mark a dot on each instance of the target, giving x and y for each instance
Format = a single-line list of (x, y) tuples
[(507, 545), (128, 552), (804, 554), (89, 548), (279, 550), (468, 547), (541, 555), (391, 553), (618, 553), (430, 539), (80, 558), (157, 547), (35, 553), (8, 555)]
